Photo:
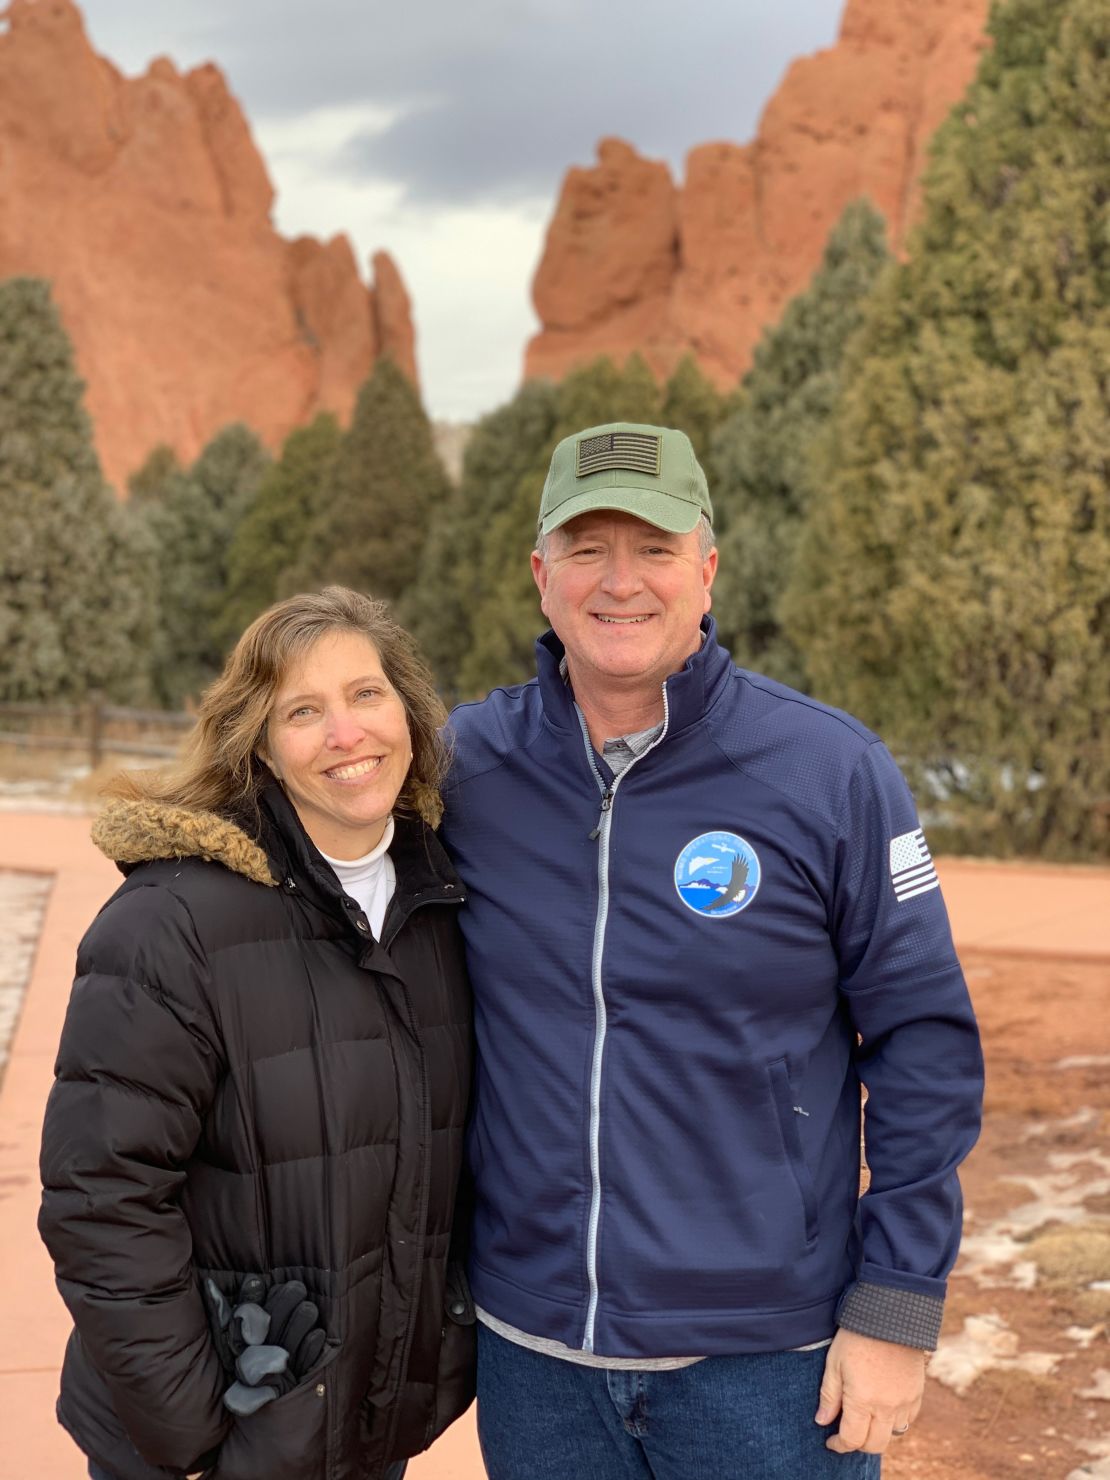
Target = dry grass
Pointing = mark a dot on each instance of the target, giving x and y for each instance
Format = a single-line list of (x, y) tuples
[(60, 776), (1011, 1390), (36, 764), (1087, 1307), (1072, 1257)]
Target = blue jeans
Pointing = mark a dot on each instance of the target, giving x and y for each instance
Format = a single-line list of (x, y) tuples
[(724, 1418)]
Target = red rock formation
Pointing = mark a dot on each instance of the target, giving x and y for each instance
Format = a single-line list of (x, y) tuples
[(147, 205), (632, 262), (393, 314)]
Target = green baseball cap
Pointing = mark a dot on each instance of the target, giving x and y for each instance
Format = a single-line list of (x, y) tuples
[(650, 472)]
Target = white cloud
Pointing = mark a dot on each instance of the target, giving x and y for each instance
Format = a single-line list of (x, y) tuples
[(316, 133), (468, 268)]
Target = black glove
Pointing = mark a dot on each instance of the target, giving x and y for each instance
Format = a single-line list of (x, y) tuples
[(235, 1326), (267, 1347)]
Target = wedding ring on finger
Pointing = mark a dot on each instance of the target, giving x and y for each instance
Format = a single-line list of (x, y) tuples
[(899, 1432)]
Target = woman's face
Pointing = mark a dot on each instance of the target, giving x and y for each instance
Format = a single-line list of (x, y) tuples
[(338, 740)]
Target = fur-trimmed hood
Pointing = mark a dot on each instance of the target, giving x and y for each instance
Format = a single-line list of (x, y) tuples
[(132, 832)]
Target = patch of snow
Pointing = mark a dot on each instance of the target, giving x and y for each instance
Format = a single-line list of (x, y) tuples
[(984, 1257), (1023, 1275), (1079, 1121), (1084, 1335), (986, 1344), (1100, 1468), (1101, 1387), (22, 901), (46, 793), (996, 1256), (982, 1251), (1060, 1196)]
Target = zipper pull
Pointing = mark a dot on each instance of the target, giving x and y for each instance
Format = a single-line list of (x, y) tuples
[(606, 803)]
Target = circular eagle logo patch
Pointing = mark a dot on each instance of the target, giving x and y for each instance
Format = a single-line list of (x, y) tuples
[(717, 875)]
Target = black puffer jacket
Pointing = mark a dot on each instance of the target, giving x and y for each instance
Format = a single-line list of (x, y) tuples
[(248, 1081)]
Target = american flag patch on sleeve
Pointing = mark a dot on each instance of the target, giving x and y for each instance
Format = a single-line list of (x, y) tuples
[(911, 865)]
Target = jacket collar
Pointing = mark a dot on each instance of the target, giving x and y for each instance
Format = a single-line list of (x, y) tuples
[(420, 863), (134, 832), (267, 845), (691, 692)]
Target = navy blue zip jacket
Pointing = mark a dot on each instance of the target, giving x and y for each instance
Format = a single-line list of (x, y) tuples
[(681, 977)]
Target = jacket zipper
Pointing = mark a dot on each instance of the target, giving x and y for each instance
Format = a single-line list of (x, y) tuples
[(601, 833), (387, 938), (425, 1181), (334, 1420)]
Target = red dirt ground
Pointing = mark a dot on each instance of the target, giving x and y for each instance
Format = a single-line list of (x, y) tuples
[(1009, 1423)]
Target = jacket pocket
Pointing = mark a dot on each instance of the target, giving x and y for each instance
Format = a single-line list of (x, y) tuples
[(287, 1437), (786, 1108), (455, 1369)]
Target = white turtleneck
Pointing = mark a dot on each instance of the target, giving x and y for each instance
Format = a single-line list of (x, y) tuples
[(369, 880)]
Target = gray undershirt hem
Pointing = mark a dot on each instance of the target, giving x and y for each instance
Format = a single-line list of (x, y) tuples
[(548, 1348)]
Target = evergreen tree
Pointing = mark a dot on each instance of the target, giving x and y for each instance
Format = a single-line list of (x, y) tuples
[(503, 453), (151, 479), (270, 537), (601, 391), (760, 474), (192, 521), (385, 489), (75, 587), (951, 585), (693, 403)]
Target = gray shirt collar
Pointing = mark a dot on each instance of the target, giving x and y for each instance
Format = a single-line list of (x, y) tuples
[(620, 751)]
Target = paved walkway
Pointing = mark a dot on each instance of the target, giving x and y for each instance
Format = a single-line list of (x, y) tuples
[(1032, 910)]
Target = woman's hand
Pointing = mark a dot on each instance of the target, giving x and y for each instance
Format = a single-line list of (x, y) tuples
[(267, 1347)]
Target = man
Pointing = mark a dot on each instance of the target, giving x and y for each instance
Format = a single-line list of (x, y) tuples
[(701, 912)]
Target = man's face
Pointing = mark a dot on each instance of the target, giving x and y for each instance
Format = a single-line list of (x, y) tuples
[(625, 599)]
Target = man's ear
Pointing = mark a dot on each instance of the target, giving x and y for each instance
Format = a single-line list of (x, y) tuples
[(539, 574), (708, 573)]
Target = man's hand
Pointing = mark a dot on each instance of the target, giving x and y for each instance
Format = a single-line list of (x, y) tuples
[(875, 1386)]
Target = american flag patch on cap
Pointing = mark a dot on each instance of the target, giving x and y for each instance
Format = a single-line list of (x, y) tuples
[(911, 865), (631, 452)]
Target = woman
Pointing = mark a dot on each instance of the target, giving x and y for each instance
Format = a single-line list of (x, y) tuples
[(262, 1081)]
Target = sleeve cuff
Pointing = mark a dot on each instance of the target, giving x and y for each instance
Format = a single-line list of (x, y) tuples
[(902, 1316)]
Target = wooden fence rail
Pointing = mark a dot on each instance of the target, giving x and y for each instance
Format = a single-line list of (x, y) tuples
[(92, 727)]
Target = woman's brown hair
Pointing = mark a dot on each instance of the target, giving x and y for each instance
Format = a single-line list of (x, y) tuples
[(220, 769)]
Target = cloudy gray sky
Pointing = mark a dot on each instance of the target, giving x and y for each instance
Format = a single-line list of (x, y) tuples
[(441, 131)]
